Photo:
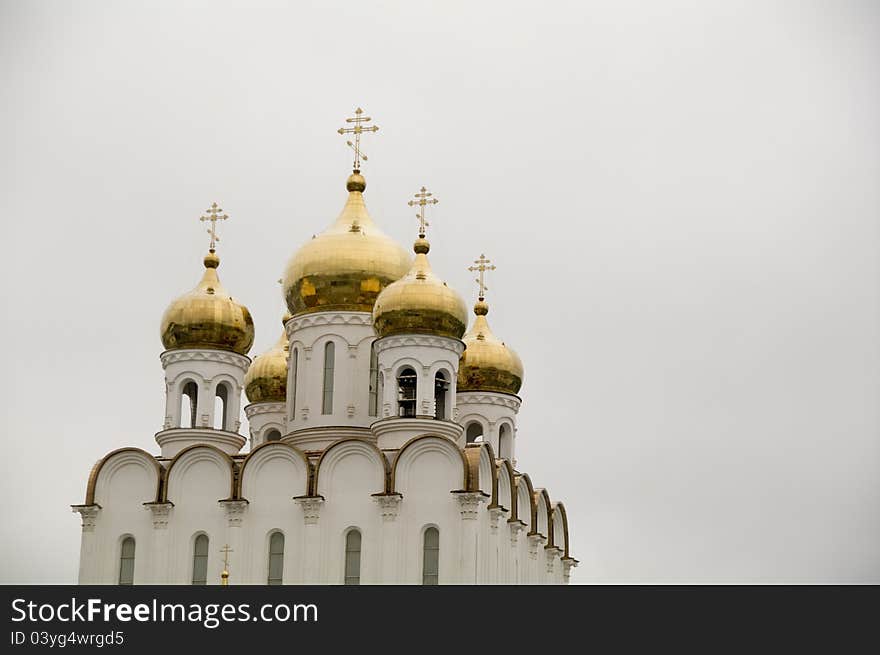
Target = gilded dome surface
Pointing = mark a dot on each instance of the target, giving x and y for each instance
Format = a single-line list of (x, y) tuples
[(208, 317), (347, 266), (420, 303), (266, 378), (487, 364)]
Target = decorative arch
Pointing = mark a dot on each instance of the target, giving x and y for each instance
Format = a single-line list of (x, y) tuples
[(526, 508), (136, 454), (210, 452), (270, 450), (560, 525), (481, 470), (506, 486), (543, 512), (336, 451), (428, 442)]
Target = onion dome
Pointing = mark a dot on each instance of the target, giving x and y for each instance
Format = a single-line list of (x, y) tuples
[(420, 303), (348, 265), (266, 378), (208, 317), (487, 364)]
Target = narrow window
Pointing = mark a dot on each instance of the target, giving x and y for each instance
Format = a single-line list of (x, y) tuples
[(504, 443), (353, 557), (374, 381), (431, 560), (294, 365), (406, 393), (382, 389), (329, 363), (441, 387), (220, 402), (273, 435), (474, 432), (126, 562), (276, 558), (200, 560), (189, 409)]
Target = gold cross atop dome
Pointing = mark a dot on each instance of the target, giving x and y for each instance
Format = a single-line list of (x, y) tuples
[(482, 265), (423, 199), (215, 213), (360, 126)]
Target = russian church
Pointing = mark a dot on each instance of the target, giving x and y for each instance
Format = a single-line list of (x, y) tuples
[(381, 433)]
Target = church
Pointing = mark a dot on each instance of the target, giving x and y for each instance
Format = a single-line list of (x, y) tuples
[(381, 432)]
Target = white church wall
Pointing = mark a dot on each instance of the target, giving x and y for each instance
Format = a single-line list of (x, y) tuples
[(197, 479), (271, 477), (425, 471)]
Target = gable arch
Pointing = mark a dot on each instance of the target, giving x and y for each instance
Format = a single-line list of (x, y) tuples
[(336, 452), (560, 528), (191, 455), (267, 452), (416, 446), (118, 458), (506, 487), (542, 512), (526, 509)]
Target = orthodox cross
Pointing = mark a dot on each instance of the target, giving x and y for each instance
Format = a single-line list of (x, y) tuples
[(423, 198), (215, 213), (224, 577), (360, 126), (482, 267)]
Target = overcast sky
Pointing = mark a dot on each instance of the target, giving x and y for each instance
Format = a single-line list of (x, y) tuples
[(681, 198)]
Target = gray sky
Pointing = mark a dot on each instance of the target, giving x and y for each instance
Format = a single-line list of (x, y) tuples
[(681, 197)]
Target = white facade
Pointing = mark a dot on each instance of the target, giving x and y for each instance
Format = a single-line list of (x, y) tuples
[(374, 469)]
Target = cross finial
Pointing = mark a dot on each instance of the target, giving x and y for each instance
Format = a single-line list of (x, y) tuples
[(215, 213), (423, 199), (360, 126), (482, 265), (224, 576)]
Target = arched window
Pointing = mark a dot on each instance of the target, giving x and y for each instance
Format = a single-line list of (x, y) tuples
[(329, 365), (353, 557), (374, 381), (441, 389), (381, 392), (126, 562), (200, 560), (273, 435), (189, 409), (292, 391), (505, 443), (276, 558), (474, 432), (220, 402), (431, 558), (406, 393)]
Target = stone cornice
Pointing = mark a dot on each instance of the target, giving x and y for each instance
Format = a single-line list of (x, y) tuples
[(389, 505), (255, 409), (89, 514), (488, 398), (193, 355), (311, 507), (327, 318), (403, 340)]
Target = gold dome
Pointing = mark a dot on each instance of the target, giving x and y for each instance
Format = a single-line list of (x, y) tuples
[(420, 303), (208, 317), (487, 364), (266, 378), (348, 265)]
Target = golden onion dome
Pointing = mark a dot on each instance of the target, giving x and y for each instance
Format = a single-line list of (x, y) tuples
[(266, 378), (420, 303), (208, 317), (488, 364), (348, 265)]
